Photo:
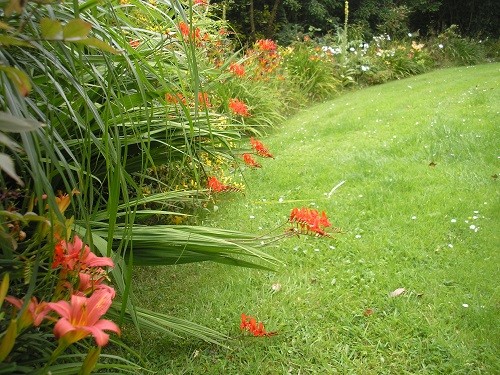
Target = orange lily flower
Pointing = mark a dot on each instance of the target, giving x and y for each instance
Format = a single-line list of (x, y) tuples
[(77, 256)]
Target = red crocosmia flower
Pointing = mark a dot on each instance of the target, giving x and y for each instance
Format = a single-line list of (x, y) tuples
[(73, 256), (310, 221), (238, 107), (33, 315), (218, 187), (184, 28), (250, 161), (260, 149), (204, 100), (197, 34), (266, 45), (250, 324), (237, 69), (175, 98), (200, 2), (188, 34), (81, 317)]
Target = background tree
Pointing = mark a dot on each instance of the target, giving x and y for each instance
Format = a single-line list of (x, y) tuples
[(285, 20)]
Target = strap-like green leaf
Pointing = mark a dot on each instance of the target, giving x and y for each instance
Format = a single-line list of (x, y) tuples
[(15, 124), (7, 165)]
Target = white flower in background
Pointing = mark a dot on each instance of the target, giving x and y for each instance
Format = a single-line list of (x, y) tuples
[(352, 49), (441, 46), (365, 68), (366, 45), (409, 34)]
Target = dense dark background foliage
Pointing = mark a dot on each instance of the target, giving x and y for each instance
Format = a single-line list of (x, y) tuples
[(285, 19)]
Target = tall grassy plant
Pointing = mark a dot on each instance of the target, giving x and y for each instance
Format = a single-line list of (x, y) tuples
[(102, 100)]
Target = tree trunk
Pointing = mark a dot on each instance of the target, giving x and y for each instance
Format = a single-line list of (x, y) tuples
[(272, 19), (252, 21)]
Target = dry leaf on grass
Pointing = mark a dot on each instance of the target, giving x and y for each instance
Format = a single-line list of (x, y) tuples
[(368, 312), (397, 292)]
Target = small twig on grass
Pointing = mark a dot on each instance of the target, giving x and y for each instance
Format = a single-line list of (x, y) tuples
[(335, 188)]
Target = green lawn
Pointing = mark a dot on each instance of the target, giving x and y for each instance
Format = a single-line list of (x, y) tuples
[(419, 210)]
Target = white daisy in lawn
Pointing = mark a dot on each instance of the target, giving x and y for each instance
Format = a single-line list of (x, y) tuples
[(453, 220)]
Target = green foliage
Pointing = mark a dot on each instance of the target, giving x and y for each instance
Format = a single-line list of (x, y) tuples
[(311, 74), (449, 48)]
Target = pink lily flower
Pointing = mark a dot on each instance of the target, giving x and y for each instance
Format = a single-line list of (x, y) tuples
[(34, 314), (82, 317)]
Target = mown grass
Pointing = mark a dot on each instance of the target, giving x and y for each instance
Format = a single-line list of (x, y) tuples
[(418, 157)]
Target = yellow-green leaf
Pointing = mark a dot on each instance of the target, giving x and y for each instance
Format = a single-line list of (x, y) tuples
[(97, 43), (4, 287), (4, 26), (9, 40), (8, 340), (90, 361), (76, 29), (19, 78), (51, 29)]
